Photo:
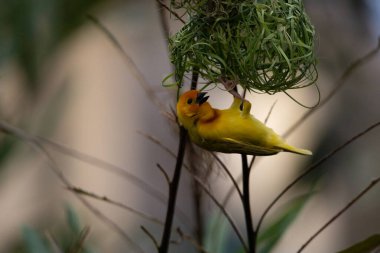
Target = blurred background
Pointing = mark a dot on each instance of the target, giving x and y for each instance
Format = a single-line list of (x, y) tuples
[(63, 79)]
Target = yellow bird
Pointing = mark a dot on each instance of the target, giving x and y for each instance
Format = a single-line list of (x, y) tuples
[(232, 130)]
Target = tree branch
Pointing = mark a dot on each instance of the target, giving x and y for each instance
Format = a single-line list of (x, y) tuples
[(173, 190), (339, 84), (312, 168), (336, 216)]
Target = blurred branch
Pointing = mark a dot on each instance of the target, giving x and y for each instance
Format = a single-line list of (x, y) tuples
[(35, 143), (158, 143), (53, 243), (163, 5), (270, 112), (328, 223), (235, 184), (339, 84), (195, 160), (312, 168), (149, 234), (163, 20), (94, 161), (186, 237), (105, 199), (78, 245), (223, 210), (129, 62)]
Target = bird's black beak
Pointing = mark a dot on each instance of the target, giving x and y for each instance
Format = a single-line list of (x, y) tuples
[(201, 98)]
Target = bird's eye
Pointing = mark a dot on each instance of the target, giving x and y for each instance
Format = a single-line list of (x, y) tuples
[(190, 100)]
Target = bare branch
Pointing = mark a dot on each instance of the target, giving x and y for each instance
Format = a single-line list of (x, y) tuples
[(149, 234), (151, 138), (163, 20), (94, 161), (173, 190), (270, 112), (235, 184), (164, 173), (189, 238), (115, 203), (158, 143), (129, 62), (78, 245), (34, 142), (336, 216), (224, 211), (246, 201), (312, 168), (339, 84), (163, 5)]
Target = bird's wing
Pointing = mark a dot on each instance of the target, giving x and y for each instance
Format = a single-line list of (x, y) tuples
[(230, 145)]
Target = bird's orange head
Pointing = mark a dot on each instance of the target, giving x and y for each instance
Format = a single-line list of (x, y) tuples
[(188, 107)]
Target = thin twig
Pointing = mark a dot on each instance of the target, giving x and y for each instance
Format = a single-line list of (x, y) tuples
[(163, 20), (252, 162), (224, 167), (166, 176), (339, 84), (343, 210), (115, 203), (270, 112), (173, 190), (99, 163), (181, 214), (34, 142), (78, 245), (312, 168), (129, 62), (223, 210), (53, 243), (197, 194), (149, 234), (186, 237), (171, 11), (158, 143)]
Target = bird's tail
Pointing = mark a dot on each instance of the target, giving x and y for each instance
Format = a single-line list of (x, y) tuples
[(292, 149)]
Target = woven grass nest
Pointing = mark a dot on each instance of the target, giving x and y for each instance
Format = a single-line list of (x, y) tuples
[(262, 45)]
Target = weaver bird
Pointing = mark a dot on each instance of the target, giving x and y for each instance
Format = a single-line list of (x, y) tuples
[(233, 130)]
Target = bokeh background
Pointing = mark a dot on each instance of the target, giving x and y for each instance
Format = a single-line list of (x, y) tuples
[(62, 78)]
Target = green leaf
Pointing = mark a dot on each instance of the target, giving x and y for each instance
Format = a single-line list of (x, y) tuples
[(216, 234), (33, 240), (73, 220), (165, 82), (273, 233), (365, 246)]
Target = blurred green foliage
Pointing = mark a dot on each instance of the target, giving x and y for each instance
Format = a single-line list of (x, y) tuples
[(30, 30), (70, 237), (370, 244), (269, 238)]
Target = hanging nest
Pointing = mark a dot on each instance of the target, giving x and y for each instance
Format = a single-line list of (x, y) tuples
[(264, 46)]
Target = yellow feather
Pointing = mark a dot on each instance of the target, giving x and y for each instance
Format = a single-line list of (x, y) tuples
[(231, 130)]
